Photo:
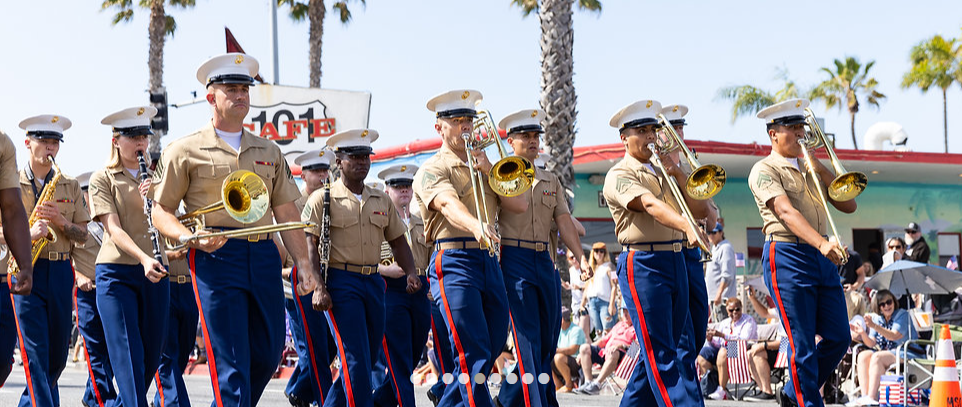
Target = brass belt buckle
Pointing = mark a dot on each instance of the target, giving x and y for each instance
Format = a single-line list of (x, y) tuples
[(539, 247), (367, 270), (53, 256), (181, 279), (253, 238), (676, 247)]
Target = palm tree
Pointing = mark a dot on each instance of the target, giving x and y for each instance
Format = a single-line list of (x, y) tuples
[(846, 81), (747, 99), (934, 62), (160, 26), (314, 11), (558, 98)]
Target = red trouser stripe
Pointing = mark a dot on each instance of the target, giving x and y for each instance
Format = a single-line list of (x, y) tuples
[(454, 331), (390, 369), (344, 369), (517, 355), (307, 334), (649, 353), (203, 324), (788, 328), (23, 349), (437, 339), (90, 370), (160, 389)]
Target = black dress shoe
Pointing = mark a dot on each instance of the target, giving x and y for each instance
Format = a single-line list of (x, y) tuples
[(433, 397), (296, 402), (784, 400)]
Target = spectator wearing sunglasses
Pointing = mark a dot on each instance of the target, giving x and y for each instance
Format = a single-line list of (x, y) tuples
[(713, 356), (884, 331), (895, 247), (917, 248)]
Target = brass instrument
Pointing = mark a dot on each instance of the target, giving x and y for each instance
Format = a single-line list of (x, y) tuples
[(37, 246), (148, 210), (680, 200), (244, 197), (846, 185), (509, 175), (705, 181)]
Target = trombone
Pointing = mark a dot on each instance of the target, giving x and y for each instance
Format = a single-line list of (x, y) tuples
[(680, 200), (245, 199), (846, 185), (705, 181), (509, 175)]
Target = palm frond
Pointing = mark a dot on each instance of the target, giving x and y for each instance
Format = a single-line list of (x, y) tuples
[(590, 5), (169, 25)]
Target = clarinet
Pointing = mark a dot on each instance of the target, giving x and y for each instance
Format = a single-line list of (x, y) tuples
[(148, 205), (325, 248)]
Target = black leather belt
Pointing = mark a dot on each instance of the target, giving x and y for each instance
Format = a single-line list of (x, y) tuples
[(182, 279)]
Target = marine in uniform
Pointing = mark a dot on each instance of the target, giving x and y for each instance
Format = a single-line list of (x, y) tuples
[(180, 336), (693, 337), (466, 279), (311, 378), (652, 273), (361, 218), (14, 221), (241, 311), (532, 282), (799, 262), (100, 382), (132, 290), (407, 315), (43, 317)]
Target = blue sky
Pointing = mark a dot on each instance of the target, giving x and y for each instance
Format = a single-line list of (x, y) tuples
[(64, 57)]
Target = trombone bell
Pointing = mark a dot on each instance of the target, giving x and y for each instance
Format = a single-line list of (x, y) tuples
[(511, 176), (846, 185)]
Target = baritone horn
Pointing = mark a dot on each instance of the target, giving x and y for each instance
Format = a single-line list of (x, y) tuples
[(705, 181), (245, 198), (846, 185)]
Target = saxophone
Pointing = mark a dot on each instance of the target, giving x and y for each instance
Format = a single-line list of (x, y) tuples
[(37, 246)]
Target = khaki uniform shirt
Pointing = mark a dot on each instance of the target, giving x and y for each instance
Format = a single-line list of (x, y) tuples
[(419, 247), (69, 199), (299, 203), (179, 267), (445, 172), (8, 164), (115, 191), (357, 228), (775, 175), (546, 202), (630, 179), (84, 257), (193, 169)]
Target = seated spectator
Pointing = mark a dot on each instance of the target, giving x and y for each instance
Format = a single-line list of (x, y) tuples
[(564, 366), (883, 332), (763, 354), (606, 351), (714, 356)]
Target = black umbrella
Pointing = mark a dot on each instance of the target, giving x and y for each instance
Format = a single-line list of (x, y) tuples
[(910, 277)]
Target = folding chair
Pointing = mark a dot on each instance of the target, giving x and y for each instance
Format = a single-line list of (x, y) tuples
[(918, 372), (622, 374)]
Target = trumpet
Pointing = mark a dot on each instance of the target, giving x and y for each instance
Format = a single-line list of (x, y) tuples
[(680, 200), (705, 181), (846, 185), (244, 197), (509, 176)]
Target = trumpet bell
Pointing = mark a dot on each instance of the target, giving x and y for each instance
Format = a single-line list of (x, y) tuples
[(706, 181), (847, 186), (511, 176), (245, 196)]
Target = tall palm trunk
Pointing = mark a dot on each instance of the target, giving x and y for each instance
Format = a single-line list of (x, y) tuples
[(315, 14), (854, 141), (558, 97), (157, 34), (945, 118)]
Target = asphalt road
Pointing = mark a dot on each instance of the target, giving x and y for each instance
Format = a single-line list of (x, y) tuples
[(75, 375)]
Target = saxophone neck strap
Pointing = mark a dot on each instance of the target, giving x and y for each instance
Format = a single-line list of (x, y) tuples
[(33, 183)]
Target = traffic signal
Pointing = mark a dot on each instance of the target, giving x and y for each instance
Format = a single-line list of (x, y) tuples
[(159, 100)]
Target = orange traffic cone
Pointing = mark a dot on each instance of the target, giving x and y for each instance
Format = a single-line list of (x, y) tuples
[(945, 381)]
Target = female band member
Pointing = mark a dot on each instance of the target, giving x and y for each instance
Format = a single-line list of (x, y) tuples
[(132, 294)]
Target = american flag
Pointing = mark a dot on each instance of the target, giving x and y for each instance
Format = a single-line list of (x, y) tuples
[(739, 259), (953, 263), (891, 393), (629, 361), (781, 360), (738, 362)]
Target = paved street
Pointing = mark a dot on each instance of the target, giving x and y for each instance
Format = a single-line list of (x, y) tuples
[(72, 382)]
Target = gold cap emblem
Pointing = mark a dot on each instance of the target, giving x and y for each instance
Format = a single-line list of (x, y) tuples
[(465, 95), (648, 105), (798, 104), (674, 109), (364, 133), (321, 154), (534, 113), (140, 112), (404, 168), (239, 59)]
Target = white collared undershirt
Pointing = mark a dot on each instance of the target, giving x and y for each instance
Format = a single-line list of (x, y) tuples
[(233, 139)]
